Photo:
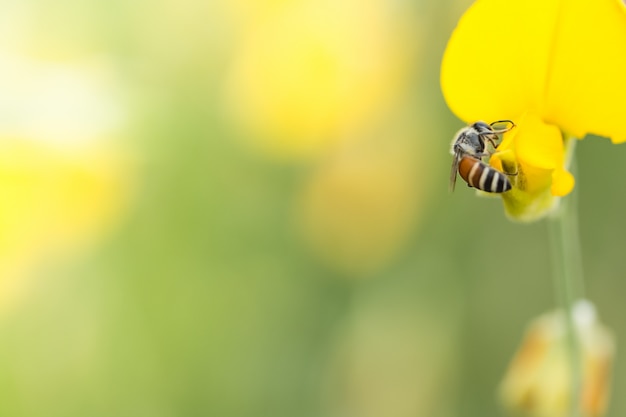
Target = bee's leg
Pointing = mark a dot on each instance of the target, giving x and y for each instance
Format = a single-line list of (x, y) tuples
[(493, 142)]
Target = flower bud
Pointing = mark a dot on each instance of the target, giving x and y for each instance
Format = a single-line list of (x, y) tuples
[(539, 379)]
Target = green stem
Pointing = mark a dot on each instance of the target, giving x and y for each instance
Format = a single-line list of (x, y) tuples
[(568, 279)]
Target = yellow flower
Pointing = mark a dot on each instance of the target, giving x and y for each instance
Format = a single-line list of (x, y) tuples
[(311, 74), (64, 183), (553, 67), (358, 208), (538, 380)]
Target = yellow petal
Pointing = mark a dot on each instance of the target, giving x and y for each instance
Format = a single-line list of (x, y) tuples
[(496, 62), (562, 182), (505, 161), (538, 144), (587, 85), (561, 60)]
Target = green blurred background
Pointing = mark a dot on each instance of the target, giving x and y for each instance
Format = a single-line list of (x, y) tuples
[(241, 209)]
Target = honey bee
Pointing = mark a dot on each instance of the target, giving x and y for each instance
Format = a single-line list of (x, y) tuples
[(468, 149)]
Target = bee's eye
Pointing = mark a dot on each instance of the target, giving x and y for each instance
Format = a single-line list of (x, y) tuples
[(482, 127), (476, 142)]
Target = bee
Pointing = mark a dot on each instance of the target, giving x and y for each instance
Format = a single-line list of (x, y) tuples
[(468, 149)]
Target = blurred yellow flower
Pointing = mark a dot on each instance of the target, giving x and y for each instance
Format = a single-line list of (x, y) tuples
[(358, 209), (62, 180), (551, 67), (309, 73), (538, 381)]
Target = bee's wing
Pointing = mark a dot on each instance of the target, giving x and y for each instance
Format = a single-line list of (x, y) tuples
[(453, 171)]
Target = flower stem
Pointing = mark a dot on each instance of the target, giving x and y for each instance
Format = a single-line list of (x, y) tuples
[(568, 279)]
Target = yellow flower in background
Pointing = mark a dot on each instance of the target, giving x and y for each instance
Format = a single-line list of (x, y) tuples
[(64, 182), (538, 381), (309, 74), (330, 79), (553, 67), (358, 209)]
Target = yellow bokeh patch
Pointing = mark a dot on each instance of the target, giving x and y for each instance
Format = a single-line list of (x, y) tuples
[(55, 202), (312, 73)]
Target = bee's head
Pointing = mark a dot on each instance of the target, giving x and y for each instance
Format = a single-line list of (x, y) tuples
[(469, 141)]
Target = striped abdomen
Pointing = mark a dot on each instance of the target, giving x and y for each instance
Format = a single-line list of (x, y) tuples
[(480, 175)]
